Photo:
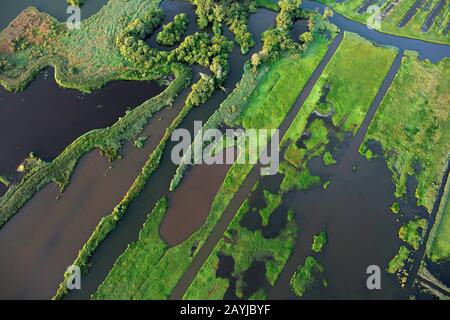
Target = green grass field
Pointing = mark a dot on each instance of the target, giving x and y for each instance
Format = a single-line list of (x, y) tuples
[(413, 126), (390, 24)]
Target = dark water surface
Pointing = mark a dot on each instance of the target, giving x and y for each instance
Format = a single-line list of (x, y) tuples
[(10, 9), (190, 203), (45, 118)]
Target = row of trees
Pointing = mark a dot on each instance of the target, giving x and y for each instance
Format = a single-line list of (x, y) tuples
[(289, 12), (234, 14), (131, 40), (197, 49), (208, 52), (173, 31), (201, 91)]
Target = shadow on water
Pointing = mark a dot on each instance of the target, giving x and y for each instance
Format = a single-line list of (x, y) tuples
[(45, 118), (10, 9)]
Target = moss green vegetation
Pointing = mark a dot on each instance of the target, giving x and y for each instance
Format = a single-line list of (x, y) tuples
[(413, 126), (395, 208), (328, 159), (76, 3), (84, 59), (4, 181), (437, 33), (352, 85), (398, 262), (174, 30), (245, 247), (297, 179), (412, 232), (268, 4), (438, 246), (108, 140), (319, 242), (305, 276), (280, 86), (165, 274), (273, 201), (140, 142)]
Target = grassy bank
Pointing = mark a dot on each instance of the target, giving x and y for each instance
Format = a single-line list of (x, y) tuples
[(413, 126), (108, 140), (437, 33), (438, 246)]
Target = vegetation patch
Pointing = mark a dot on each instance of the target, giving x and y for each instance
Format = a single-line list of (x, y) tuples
[(140, 142), (245, 247), (397, 264), (273, 201), (412, 232), (319, 242), (84, 59), (413, 126), (306, 276)]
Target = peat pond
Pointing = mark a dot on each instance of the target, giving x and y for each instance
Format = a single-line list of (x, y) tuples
[(43, 238)]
